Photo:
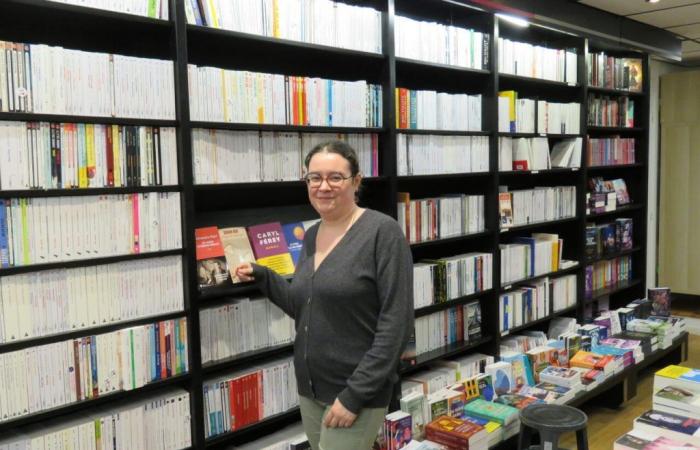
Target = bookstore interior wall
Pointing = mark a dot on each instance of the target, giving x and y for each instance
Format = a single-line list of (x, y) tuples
[(678, 189), (145, 149)]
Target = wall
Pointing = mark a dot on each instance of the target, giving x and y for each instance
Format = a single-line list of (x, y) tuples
[(657, 69)]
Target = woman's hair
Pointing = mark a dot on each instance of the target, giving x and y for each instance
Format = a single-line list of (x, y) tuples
[(340, 148)]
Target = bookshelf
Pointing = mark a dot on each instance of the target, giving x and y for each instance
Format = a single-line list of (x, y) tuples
[(249, 203)]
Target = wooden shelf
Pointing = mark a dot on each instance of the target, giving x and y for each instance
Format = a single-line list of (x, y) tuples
[(514, 284), (105, 120), (450, 240), (614, 255), (280, 127), (425, 310), (80, 192), (563, 312), (272, 421), (424, 359), (619, 287), (86, 262), (88, 331), (620, 210), (531, 226), (602, 90)]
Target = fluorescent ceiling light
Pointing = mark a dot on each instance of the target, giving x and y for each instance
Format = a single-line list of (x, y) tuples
[(652, 1), (514, 20)]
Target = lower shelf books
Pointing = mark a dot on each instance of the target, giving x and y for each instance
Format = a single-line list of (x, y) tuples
[(234, 401), (523, 207), (609, 238), (444, 279), (605, 274), (158, 422), (428, 219), (291, 437), (528, 257), (457, 324), (435, 154), (243, 325), (53, 375)]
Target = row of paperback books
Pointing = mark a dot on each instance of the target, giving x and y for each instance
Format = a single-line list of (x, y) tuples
[(534, 61), (674, 420), (606, 274), (52, 229), (57, 301), (614, 73), (530, 303), (243, 325), (219, 95), (221, 156), (608, 238), (159, 422), (322, 22), (442, 328), (272, 245), (542, 204), (433, 154), (611, 151), (441, 217), (431, 110), (54, 80), (48, 376), (156, 9), (535, 154), (441, 44), (236, 400), (605, 111), (444, 279), (43, 155), (522, 115), (531, 256)]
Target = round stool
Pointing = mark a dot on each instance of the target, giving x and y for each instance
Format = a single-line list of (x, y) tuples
[(550, 421)]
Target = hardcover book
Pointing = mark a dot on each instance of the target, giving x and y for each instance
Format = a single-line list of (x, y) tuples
[(270, 247), (454, 432), (473, 311), (211, 261), (503, 414)]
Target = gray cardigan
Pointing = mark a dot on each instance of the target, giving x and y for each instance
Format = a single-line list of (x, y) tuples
[(353, 316)]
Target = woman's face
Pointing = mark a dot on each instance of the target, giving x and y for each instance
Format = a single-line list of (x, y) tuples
[(333, 196)]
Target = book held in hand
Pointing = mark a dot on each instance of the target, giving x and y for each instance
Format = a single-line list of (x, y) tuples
[(270, 247), (236, 248)]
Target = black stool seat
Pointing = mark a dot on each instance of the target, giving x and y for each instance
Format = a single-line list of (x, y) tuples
[(550, 421), (556, 418)]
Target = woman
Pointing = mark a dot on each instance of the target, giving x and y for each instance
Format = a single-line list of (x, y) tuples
[(352, 301)]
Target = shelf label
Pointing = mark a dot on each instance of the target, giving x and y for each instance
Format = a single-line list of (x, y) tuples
[(543, 134), (574, 169), (534, 172), (505, 288)]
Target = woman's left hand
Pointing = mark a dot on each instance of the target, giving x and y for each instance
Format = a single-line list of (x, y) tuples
[(338, 416)]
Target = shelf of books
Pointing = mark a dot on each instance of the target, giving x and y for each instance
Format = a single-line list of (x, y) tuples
[(514, 161)]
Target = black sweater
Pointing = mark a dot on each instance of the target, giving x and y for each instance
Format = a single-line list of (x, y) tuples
[(353, 316)]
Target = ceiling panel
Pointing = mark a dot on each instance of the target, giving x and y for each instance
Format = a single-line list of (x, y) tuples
[(689, 31), (626, 7), (671, 17), (690, 46)]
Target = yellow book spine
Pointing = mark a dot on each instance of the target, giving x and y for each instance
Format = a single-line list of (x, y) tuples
[(300, 99), (275, 18), (555, 256), (282, 264), (90, 145), (396, 106), (214, 17)]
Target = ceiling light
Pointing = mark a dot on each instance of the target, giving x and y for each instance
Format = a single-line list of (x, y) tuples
[(514, 20), (652, 1)]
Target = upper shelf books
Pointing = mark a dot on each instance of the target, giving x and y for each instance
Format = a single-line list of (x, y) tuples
[(606, 71)]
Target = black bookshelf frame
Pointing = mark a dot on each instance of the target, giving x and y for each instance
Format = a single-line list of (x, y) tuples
[(184, 44)]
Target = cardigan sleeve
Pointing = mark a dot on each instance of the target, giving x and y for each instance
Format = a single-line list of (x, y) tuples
[(394, 280), (275, 287)]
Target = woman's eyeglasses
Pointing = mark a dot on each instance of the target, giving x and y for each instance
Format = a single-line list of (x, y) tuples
[(334, 179)]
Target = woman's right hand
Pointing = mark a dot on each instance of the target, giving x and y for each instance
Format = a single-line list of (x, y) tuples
[(244, 271)]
